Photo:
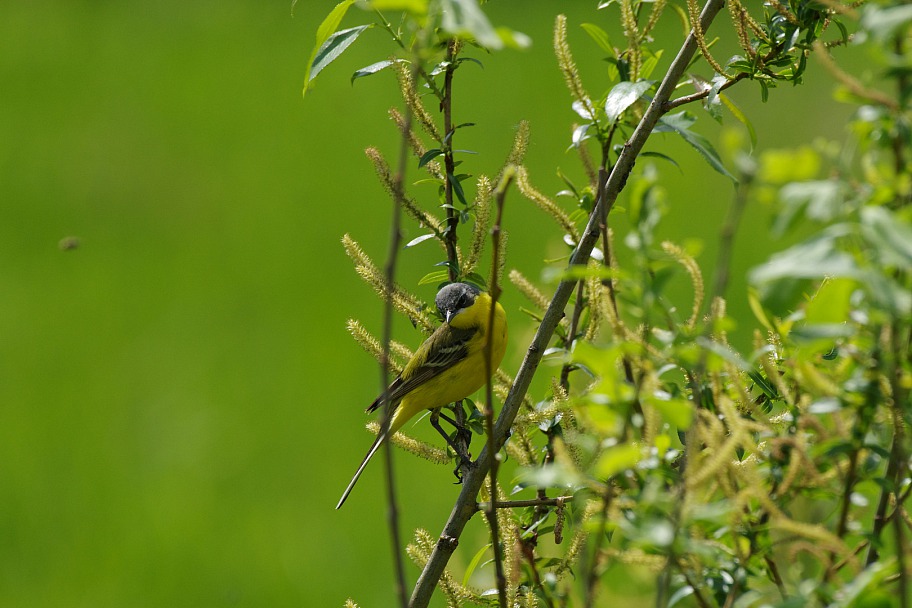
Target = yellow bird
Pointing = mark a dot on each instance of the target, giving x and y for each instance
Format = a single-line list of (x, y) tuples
[(448, 366)]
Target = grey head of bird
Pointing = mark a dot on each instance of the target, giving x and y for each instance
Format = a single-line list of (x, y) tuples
[(454, 298)]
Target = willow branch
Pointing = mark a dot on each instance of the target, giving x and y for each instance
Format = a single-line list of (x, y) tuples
[(452, 220), (520, 504), (390, 271), (464, 507), (494, 290)]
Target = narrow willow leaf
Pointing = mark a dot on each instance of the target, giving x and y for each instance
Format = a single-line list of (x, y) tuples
[(465, 17), (429, 156), (457, 189), (419, 239), (579, 134), (623, 95), (617, 459), (742, 118), (416, 7), (650, 63), (679, 124), (332, 48), (435, 276), (326, 29), (600, 36), (373, 68), (663, 157), (474, 564), (513, 39), (890, 237)]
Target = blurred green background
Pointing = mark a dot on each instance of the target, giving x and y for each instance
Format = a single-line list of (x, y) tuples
[(180, 404)]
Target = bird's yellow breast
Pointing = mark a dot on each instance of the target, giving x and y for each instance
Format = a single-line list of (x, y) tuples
[(470, 374)]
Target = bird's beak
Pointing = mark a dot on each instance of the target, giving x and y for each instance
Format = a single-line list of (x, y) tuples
[(449, 315)]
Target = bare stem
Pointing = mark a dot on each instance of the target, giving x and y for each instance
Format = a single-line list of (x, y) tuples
[(390, 273), (521, 504), (449, 162), (494, 290)]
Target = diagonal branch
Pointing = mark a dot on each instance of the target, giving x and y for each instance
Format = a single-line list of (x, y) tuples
[(465, 505)]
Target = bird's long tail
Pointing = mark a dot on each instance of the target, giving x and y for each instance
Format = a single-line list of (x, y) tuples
[(370, 454)]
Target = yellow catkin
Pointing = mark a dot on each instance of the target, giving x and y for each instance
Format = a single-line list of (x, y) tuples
[(784, 11), (568, 66), (409, 205), (634, 53), (482, 208), (413, 101), (592, 509), (372, 346), (420, 551), (413, 446), (696, 278), (403, 301), (418, 148), (657, 7), (518, 151), (545, 204), (738, 16), (693, 10), (520, 447), (529, 290), (596, 307)]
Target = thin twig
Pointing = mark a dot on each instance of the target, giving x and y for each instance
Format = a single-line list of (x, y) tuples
[(446, 105), (520, 504), (727, 237), (494, 291), (592, 573), (463, 509), (390, 272)]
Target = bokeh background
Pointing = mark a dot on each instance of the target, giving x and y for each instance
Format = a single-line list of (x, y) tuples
[(180, 404)]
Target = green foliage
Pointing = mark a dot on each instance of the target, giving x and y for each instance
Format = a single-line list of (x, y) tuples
[(775, 477)]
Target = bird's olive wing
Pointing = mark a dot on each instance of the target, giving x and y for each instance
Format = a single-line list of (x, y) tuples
[(445, 348)]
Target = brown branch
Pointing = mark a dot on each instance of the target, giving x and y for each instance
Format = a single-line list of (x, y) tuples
[(519, 504), (446, 104)]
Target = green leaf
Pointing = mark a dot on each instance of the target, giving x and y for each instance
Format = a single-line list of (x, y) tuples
[(649, 64), (435, 276), (474, 564), (680, 123), (374, 68), (465, 18), (831, 303), (623, 95), (883, 22), (600, 36), (821, 201), (677, 412), (616, 459), (326, 29), (416, 7), (429, 156), (890, 236), (815, 258), (741, 117), (663, 157), (332, 48), (513, 39), (457, 189), (866, 589), (419, 239)]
